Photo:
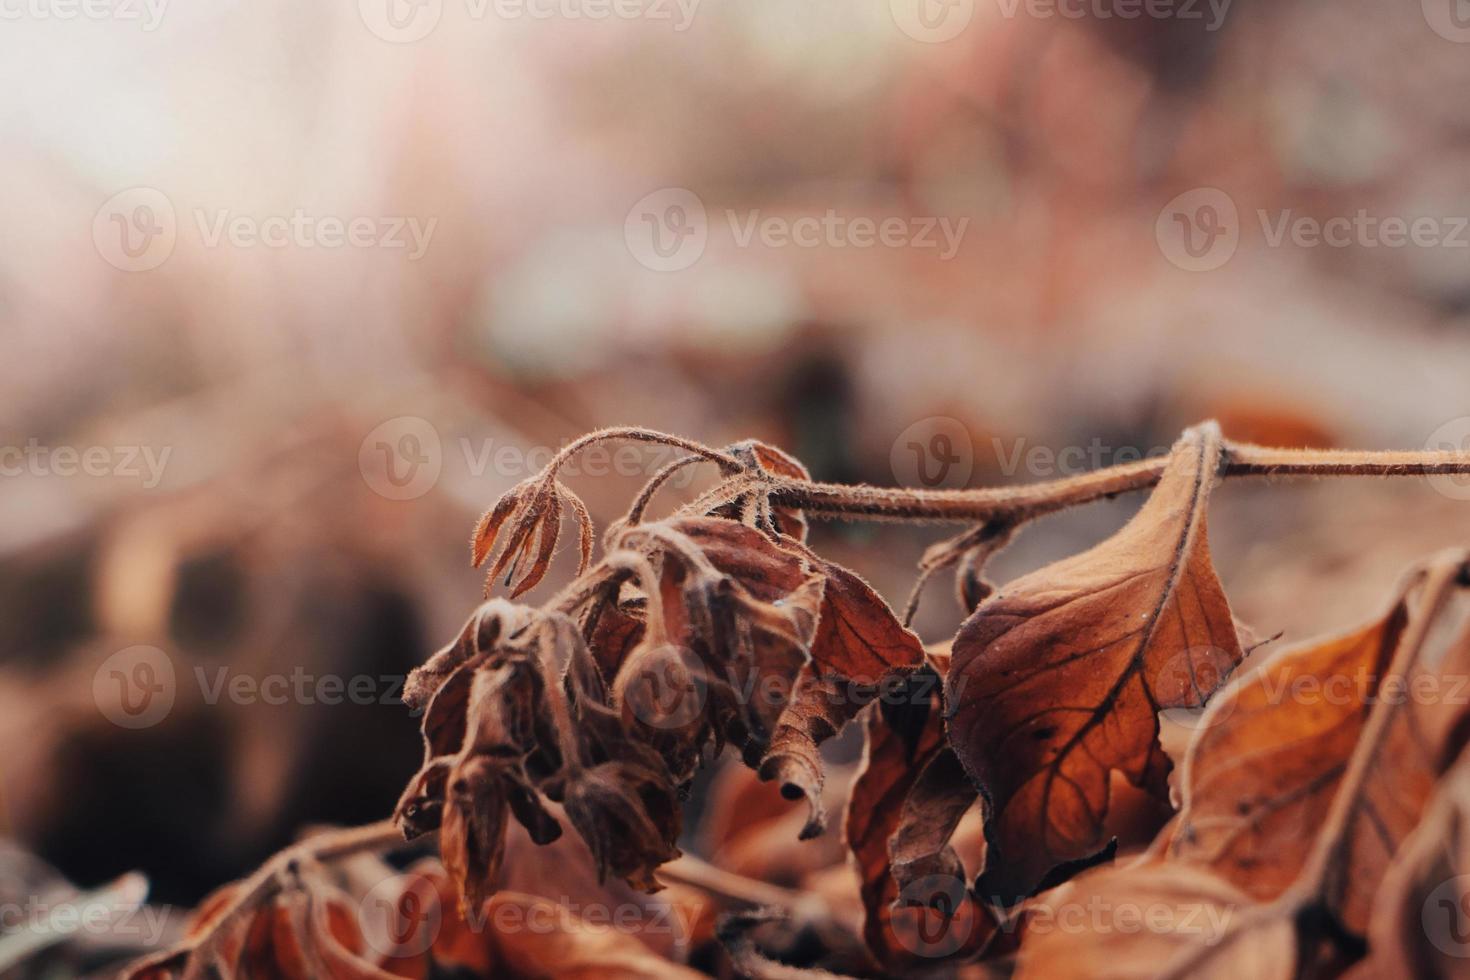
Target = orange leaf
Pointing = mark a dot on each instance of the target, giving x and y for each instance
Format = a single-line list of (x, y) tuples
[(1058, 678)]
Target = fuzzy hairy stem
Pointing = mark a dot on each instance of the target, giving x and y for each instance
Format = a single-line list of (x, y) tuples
[(1034, 500), (727, 462)]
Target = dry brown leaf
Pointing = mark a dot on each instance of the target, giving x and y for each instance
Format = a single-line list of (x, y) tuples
[(819, 709), (1059, 677), (934, 919), (1153, 920), (858, 637), (531, 512), (1267, 774), (860, 649), (1260, 775), (572, 949), (1421, 917)]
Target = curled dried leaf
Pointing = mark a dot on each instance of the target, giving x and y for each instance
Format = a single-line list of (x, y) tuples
[(493, 621), (939, 798), (472, 841), (1058, 678), (933, 919), (629, 817), (530, 515), (819, 709)]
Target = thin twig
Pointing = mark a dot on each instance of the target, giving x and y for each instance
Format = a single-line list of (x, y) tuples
[(1034, 500), (700, 874), (266, 882)]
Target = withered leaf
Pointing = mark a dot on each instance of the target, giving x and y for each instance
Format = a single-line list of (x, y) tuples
[(1267, 784), (1420, 925), (819, 709), (629, 817), (860, 646), (747, 610), (940, 797), (521, 936), (789, 520), (472, 839), (492, 621), (531, 514), (1259, 777), (1153, 920), (935, 918), (305, 931), (616, 629), (736, 932), (1058, 678), (545, 939), (858, 636)]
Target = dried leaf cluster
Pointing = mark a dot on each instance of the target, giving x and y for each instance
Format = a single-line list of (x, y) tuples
[(1319, 801)]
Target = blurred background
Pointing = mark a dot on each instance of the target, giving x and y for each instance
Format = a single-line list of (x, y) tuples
[(291, 292)]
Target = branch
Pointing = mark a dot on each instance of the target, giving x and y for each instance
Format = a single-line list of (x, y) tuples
[(1034, 500)]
